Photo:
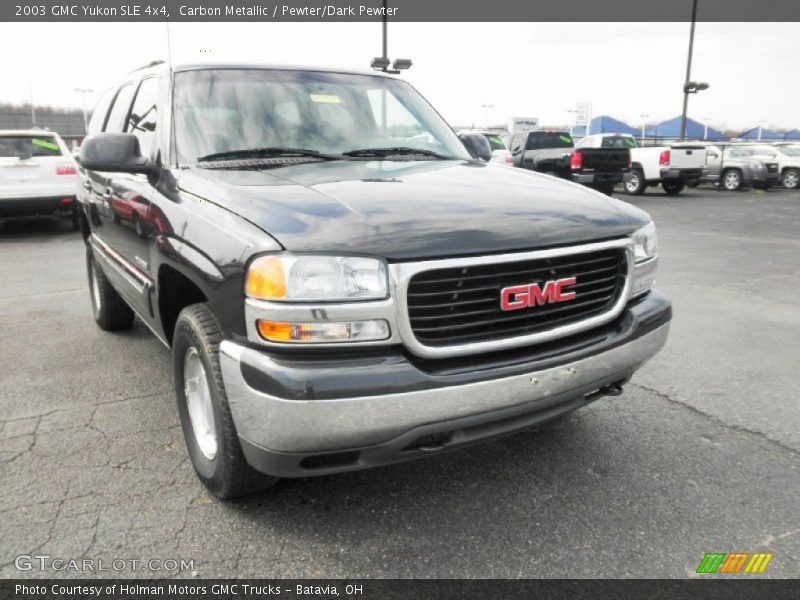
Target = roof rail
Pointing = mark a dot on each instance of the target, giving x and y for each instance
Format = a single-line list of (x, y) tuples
[(148, 65)]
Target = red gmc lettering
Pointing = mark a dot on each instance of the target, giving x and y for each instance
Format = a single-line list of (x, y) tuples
[(525, 296)]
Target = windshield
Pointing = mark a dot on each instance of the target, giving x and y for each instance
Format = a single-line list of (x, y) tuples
[(762, 150), (20, 145), (222, 110)]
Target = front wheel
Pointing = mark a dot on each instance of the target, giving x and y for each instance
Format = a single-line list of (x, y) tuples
[(732, 180), (206, 418), (635, 182), (791, 179), (672, 188)]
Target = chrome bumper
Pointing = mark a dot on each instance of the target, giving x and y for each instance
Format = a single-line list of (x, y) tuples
[(313, 426)]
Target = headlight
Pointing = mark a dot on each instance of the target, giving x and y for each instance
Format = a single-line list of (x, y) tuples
[(645, 243), (306, 278)]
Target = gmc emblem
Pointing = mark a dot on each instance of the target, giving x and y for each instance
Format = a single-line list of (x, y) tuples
[(529, 296)]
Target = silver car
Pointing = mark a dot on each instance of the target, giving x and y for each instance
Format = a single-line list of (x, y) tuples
[(735, 167)]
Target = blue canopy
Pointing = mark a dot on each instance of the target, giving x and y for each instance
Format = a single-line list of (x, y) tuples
[(794, 134), (694, 130), (766, 134), (606, 124)]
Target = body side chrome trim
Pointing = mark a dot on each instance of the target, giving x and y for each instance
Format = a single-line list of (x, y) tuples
[(127, 270)]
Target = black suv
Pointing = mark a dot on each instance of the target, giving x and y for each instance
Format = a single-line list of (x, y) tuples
[(340, 283)]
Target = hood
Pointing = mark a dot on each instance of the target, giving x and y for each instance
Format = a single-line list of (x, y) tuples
[(411, 210)]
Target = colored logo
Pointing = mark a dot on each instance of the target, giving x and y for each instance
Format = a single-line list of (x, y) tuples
[(735, 562), (531, 295)]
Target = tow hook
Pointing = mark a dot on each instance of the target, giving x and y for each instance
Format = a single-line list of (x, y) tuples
[(615, 389)]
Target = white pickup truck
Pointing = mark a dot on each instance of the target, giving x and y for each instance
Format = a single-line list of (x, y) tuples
[(672, 166)]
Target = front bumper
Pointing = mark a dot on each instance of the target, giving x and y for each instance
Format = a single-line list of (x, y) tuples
[(28, 207), (681, 175), (299, 417)]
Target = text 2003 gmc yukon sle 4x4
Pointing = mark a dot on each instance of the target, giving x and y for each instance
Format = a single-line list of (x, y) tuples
[(341, 285)]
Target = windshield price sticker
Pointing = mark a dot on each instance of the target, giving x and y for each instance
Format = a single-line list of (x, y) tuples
[(325, 99)]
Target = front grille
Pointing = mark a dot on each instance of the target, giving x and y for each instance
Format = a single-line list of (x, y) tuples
[(772, 167), (461, 305)]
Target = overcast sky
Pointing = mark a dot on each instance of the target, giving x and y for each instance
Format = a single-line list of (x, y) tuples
[(523, 69)]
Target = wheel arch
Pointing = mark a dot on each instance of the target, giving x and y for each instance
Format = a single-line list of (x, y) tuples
[(176, 291)]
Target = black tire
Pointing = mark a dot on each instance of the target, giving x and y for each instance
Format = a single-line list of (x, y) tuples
[(635, 183), (110, 311), (672, 188), (732, 180), (137, 225), (76, 220), (791, 179), (226, 474), (607, 189)]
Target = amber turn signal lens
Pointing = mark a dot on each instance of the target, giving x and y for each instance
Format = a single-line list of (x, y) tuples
[(266, 279), (276, 332)]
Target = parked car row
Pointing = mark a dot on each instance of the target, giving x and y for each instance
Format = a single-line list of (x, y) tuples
[(602, 160)]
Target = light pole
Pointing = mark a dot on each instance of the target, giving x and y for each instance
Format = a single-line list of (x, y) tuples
[(33, 106), (486, 108), (705, 131), (689, 86), (83, 92), (760, 128), (643, 116)]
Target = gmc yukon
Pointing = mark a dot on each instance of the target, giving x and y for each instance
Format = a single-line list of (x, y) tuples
[(340, 284)]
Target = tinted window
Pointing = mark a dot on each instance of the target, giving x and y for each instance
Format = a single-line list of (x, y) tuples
[(99, 113), (542, 139), (142, 122), (25, 145), (619, 141), (119, 112)]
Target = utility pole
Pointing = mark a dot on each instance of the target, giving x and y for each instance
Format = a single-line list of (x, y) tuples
[(33, 106), (688, 71), (643, 116), (486, 108), (83, 92)]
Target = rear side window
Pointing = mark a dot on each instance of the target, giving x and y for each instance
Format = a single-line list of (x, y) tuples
[(119, 112), (618, 141), (540, 140), (23, 146), (99, 113), (142, 121)]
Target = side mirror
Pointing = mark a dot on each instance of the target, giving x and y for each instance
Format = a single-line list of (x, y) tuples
[(477, 145), (115, 152)]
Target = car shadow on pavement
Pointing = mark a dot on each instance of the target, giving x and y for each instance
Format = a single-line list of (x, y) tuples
[(14, 229)]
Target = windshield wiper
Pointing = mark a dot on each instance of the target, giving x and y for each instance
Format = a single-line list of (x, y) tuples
[(267, 152), (396, 151)]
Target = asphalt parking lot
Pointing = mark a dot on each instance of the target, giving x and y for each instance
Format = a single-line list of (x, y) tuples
[(700, 454)]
